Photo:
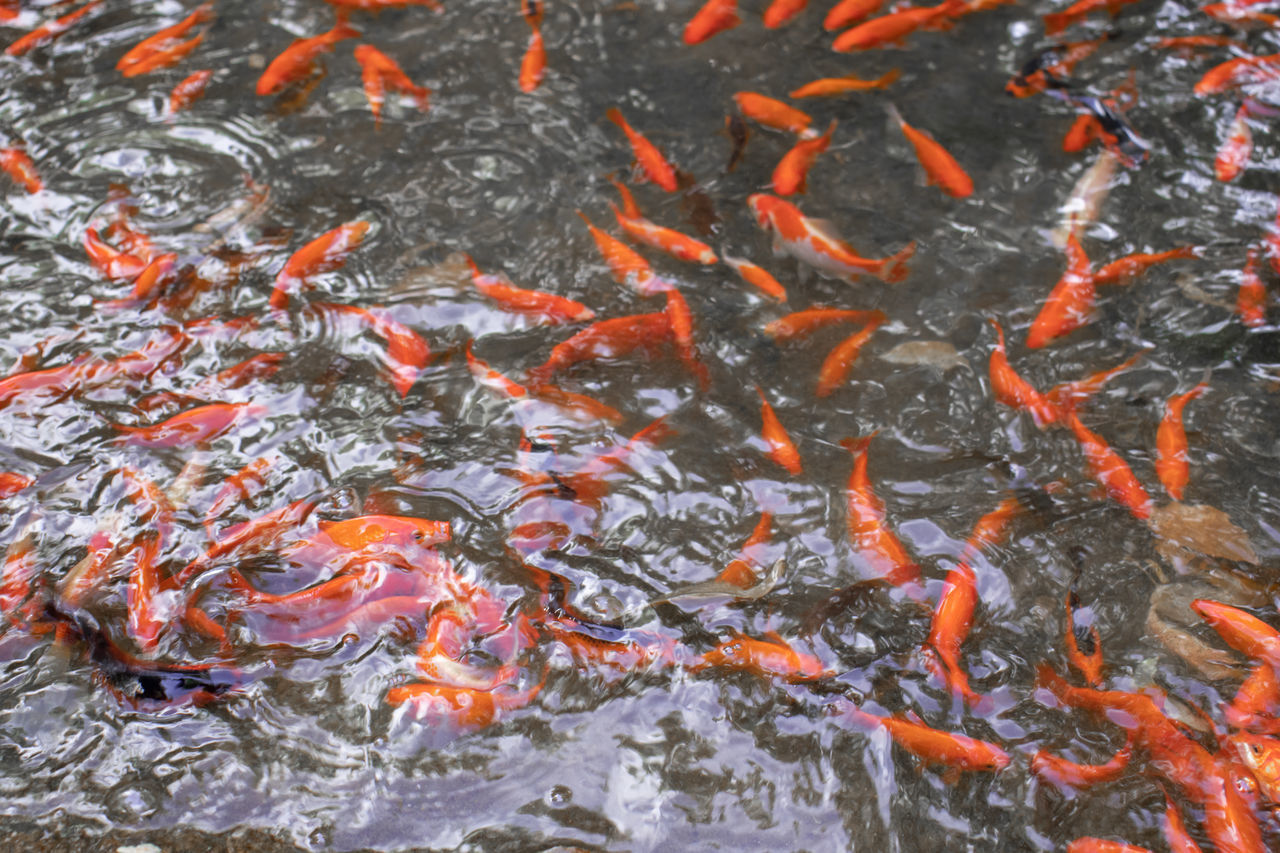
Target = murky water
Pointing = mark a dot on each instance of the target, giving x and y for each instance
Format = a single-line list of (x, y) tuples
[(657, 757)]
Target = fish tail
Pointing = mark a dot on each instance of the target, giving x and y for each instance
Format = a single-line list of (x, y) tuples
[(858, 445), (614, 115), (883, 81), (894, 268), (342, 29)]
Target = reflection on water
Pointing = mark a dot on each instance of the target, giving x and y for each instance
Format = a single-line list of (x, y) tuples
[(167, 669)]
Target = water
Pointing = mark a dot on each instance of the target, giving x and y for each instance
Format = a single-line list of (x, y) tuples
[(306, 744)]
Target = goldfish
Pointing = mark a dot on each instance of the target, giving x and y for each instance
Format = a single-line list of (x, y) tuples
[(643, 231), (1257, 701), (647, 155), (297, 60), (144, 52), (390, 531), (1088, 662), (791, 173), (1089, 844), (1262, 756), (1106, 466), (894, 27), (811, 241), (546, 307), (782, 11), (772, 113), (240, 486), (680, 320), (1251, 298), (739, 572), (1233, 155), (11, 483), (534, 63), (1171, 444), (407, 353), (1051, 66), (145, 619), (17, 578), (940, 167), (1124, 270), (18, 166), (953, 749), (576, 404), (1195, 42), (836, 366), (1067, 395), (758, 276), (771, 658), (465, 708), (189, 90), (113, 263), (248, 537), (1175, 831), (868, 532), (1078, 11), (50, 31), (803, 323), (195, 426), (1062, 773), (153, 278), (1243, 631), (828, 86), (604, 339), (1070, 304), (848, 12), (163, 57), (378, 72), (781, 449), (607, 648), (1236, 72), (626, 265), (1014, 391), (326, 253), (714, 17)]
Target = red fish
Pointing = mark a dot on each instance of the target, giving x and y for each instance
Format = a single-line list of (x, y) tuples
[(407, 353), (164, 57), (624, 263), (804, 323), (1126, 269), (714, 17), (463, 708), (758, 276), (380, 72), (18, 166), (11, 483), (647, 155), (940, 167), (934, 746), (196, 426), (1067, 395), (836, 366), (574, 403), (1195, 42), (1078, 11), (791, 174), (189, 90), (1070, 304), (326, 253), (386, 531), (1236, 72), (633, 653), (1251, 298), (782, 11), (113, 263), (297, 60), (1233, 154), (152, 280), (605, 339), (668, 240), (739, 572), (680, 319), (1175, 831), (1106, 466), (1089, 844), (1262, 756), (1088, 663), (240, 486), (772, 658), (781, 450), (146, 622), (829, 86), (50, 31), (848, 12), (534, 62), (1062, 773), (868, 532), (894, 27), (144, 51), (1084, 130), (1243, 631), (773, 113), (811, 241), (546, 307), (1014, 391), (1171, 444), (1257, 701)]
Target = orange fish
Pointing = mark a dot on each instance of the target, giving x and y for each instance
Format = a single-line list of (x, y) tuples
[(534, 63), (1084, 130), (836, 366), (715, 16), (811, 241), (782, 11), (791, 174), (547, 307), (1251, 298), (680, 319), (894, 27), (1089, 663), (189, 90), (195, 426), (868, 532), (11, 483), (50, 31), (386, 531), (1171, 444), (940, 167), (153, 278), (1089, 844), (772, 113), (739, 572), (1262, 756), (163, 58), (1243, 631), (772, 658), (1066, 396), (240, 486), (605, 339), (667, 240), (758, 276), (1070, 304), (1052, 65), (378, 72), (1014, 391), (144, 51), (1233, 154), (297, 60), (631, 652), (848, 12), (934, 746), (145, 621), (463, 708), (1078, 11), (113, 263), (828, 86), (626, 265), (1126, 269), (781, 450), (326, 253), (1175, 831), (550, 394), (647, 155), (1062, 773), (1236, 72), (18, 166), (1195, 42), (1106, 466), (803, 323)]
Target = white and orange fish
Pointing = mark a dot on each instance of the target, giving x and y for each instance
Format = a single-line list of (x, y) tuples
[(812, 241)]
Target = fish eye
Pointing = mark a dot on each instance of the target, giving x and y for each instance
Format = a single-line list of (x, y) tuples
[(1257, 750)]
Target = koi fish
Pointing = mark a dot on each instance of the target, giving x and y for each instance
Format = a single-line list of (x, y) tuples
[(1078, 11), (810, 241), (714, 17), (803, 323), (1062, 773), (940, 167), (163, 58), (152, 280), (1236, 72), (18, 166), (297, 60), (667, 240), (1087, 662), (647, 155), (378, 72), (604, 339), (196, 426), (1014, 391), (546, 307), (1089, 844), (791, 174), (848, 12), (50, 31), (164, 40), (1171, 444), (464, 708), (829, 86), (1241, 630), (1251, 298), (757, 276), (782, 11), (1070, 304), (934, 746), (626, 265), (894, 27), (189, 90), (1052, 66), (868, 532), (680, 320), (772, 113), (1233, 155), (1262, 756), (113, 263), (836, 366), (781, 449), (1124, 270), (1106, 466), (326, 253), (771, 658)]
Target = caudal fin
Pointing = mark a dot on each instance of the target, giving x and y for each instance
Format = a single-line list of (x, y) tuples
[(894, 269)]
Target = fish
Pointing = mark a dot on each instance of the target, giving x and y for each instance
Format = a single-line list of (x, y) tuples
[(803, 323), (534, 62), (780, 12), (1175, 830), (189, 90), (680, 320), (297, 60), (894, 27), (1251, 297), (1050, 67), (1087, 196), (714, 17), (668, 240), (625, 264), (164, 58), (830, 86), (575, 404), (1106, 466), (48, 32), (934, 746), (1056, 22), (1171, 444), (1195, 42), (378, 72), (195, 426), (12, 482), (939, 166), (810, 241), (544, 307), (113, 263), (1014, 391), (1241, 630), (1062, 773), (623, 652), (1262, 756), (1236, 72), (1084, 130), (738, 572), (1124, 270), (1070, 304), (647, 155), (18, 166), (868, 532), (604, 339), (697, 595), (848, 12), (791, 174), (152, 280), (1090, 844), (240, 486), (1233, 155), (386, 532), (773, 113), (326, 253), (1088, 661), (756, 275), (1114, 131), (145, 622), (770, 658), (1257, 701), (781, 449), (836, 366), (1066, 396), (144, 51)]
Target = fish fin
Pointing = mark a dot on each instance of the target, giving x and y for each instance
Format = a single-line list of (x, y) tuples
[(824, 228), (895, 266)]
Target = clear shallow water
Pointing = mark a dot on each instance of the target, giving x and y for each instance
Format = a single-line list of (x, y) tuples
[(668, 758)]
